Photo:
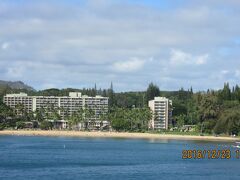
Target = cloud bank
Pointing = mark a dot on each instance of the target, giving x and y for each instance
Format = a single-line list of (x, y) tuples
[(131, 43)]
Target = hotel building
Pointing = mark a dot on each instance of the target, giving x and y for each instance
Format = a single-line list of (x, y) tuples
[(162, 113), (65, 105)]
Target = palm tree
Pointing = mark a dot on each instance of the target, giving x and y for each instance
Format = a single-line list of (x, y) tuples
[(111, 115), (88, 115), (103, 116), (62, 110), (39, 114), (80, 116), (20, 110), (77, 117), (132, 115), (73, 119), (146, 116)]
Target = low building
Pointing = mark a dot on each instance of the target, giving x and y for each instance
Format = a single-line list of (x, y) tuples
[(59, 124), (162, 113), (188, 128)]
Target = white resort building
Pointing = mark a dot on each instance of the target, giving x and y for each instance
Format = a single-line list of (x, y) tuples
[(162, 113), (65, 105)]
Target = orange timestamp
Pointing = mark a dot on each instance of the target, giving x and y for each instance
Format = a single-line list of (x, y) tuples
[(210, 154)]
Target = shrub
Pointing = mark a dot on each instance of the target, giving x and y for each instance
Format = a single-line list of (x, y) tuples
[(2, 126), (20, 125), (46, 125)]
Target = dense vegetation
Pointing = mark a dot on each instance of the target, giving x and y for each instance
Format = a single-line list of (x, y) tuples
[(215, 112)]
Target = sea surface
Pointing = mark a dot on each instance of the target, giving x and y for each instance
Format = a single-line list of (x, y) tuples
[(29, 157)]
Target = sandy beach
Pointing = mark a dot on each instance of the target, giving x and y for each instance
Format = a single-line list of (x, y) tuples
[(113, 135)]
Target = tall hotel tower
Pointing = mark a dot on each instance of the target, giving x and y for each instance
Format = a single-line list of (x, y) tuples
[(162, 113)]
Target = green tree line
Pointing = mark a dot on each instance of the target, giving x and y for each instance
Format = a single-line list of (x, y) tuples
[(212, 111)]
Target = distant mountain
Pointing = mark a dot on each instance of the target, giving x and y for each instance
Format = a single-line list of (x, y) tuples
[(16, 85)]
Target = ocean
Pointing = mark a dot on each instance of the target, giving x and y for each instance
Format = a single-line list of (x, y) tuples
[(60, 158)]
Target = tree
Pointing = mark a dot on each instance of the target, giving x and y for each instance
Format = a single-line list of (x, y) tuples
[(152, 91), (180, 120), (76, 118), (208, 107), (2, 126), (6, 111), (229, 122), (119, 121), (111, 96), (130, 119), (208, 111), (88, 117), (145, 116), (39, 114), (103, 115), (236, 93), (46, 125), (225, 94), (20, 125), (20, 110)]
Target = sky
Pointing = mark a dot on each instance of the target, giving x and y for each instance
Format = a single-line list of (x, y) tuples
[(71, 43)]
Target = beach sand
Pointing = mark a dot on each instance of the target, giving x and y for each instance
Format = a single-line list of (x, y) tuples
[(113, 135)]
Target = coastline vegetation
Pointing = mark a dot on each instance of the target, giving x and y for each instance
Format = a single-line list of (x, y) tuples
[(210, 112)]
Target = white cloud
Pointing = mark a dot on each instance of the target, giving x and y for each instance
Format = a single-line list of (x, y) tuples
[(224, 72), (15, 72), (100, 34), (5, 45), (202, 59), (237, 73), (133, 64), (178, 57)]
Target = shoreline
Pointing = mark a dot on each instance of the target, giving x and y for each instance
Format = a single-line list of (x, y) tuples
[(125, 135)]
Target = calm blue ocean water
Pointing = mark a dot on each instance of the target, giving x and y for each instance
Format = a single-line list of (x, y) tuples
[(89, 158)]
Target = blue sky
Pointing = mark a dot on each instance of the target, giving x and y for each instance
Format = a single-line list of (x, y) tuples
[(180, 43)]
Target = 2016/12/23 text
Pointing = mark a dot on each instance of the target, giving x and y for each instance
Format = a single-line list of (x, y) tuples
[(210, 154)]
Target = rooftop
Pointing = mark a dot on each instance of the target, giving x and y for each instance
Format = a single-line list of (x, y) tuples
[(71, 94)]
